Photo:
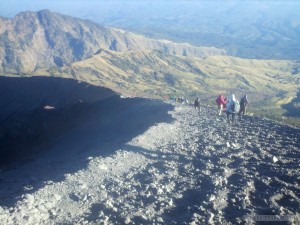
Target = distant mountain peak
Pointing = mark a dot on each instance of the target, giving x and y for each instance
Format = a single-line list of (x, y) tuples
[(44, 39)]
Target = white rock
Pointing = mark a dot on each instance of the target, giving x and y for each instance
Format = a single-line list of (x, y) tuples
[(275, 159), (29, 198), (212, 198), (160, 191), (211, 218), (44, 216), (105, 220), (144, 217), (57, 197), (234, 145), (228, 144), (127, 220), (49, 182), (109, 204), (53, 212), (216, 182), (84, 186), (85, 198), (49, 205), (42, 208), (103, 167), (159, 219), (196, 215), (101, 214)]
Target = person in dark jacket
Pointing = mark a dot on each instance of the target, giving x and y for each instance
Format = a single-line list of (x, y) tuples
[(197, 104), (243, 104)]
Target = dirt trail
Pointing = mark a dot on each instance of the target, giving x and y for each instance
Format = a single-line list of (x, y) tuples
[(197, 169)]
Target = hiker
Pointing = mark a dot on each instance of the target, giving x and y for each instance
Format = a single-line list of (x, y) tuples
[(220, 102), (224, 105), (232, 108), (197, 104), (180, 100), (243, 104)]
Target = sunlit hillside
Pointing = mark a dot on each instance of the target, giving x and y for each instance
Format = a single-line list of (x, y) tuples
[(270, 84)]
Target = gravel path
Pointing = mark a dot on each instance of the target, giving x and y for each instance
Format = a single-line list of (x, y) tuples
[(197, 169)]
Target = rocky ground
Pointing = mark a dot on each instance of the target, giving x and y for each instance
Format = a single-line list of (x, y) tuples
[(192, 169)]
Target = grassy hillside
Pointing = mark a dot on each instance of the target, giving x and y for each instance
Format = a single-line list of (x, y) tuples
[(270, 84)]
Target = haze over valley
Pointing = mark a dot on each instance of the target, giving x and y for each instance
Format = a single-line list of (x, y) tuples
[(247, 29)]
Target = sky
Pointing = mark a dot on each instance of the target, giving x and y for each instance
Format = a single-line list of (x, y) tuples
[(83, 8)]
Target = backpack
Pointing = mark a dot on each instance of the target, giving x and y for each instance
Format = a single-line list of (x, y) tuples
[(233, 106)]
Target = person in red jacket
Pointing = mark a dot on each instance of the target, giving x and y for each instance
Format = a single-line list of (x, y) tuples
[(220, 103)]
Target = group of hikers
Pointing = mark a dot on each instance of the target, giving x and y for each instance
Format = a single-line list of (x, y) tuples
[(181, 100), (231, 106)]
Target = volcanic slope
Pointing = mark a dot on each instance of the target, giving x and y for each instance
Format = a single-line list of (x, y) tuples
[(185, 169)]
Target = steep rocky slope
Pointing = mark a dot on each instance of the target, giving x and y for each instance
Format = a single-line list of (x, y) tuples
[(179, 167), (44, 39)]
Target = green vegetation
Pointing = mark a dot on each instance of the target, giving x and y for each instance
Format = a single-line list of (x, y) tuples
[(271, 85)]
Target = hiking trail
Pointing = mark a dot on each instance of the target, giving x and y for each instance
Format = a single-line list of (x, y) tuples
[(195, 169)]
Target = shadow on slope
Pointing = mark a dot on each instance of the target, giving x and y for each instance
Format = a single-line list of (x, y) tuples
[(37, 108), (78, 131)]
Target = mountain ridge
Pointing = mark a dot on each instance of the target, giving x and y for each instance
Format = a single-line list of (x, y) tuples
[(45, 39)]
